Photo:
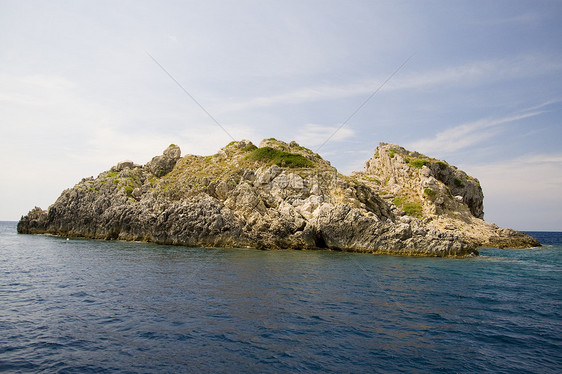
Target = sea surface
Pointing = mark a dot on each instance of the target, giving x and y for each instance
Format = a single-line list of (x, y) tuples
[(88, 306)]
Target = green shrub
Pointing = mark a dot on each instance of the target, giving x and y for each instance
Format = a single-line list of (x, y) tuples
[(413, 209), (392, 153), (442, 165), (429, 192), (249, 147), (417, 163), (128, 190), (280, 158), (372, 179), (458, 183), (112, 174), (398, 201)]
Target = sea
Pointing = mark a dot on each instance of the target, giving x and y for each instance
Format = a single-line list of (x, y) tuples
[(93, 306)]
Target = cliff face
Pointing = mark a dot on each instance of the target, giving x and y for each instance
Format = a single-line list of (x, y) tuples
[(441, 195), (277, 196)]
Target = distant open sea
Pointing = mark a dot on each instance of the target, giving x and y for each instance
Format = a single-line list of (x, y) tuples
[(89, 306)]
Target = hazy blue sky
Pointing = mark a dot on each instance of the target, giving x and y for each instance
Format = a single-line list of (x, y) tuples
[(483, 89)]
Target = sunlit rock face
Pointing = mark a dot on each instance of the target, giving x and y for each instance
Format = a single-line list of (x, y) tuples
[(441, 195), (277, 196)]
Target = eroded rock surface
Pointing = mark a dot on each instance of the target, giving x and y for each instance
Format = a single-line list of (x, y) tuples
[(439, 194), (277, 196)]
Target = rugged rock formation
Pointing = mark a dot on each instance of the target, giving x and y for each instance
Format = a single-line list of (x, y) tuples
[(277, 196), (441, 195)]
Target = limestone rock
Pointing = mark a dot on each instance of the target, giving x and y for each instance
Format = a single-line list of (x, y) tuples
[(233, 200), (162, 165), (127, 164), (447, 198)]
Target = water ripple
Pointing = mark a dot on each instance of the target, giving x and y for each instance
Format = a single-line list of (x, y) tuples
[(93, 307)]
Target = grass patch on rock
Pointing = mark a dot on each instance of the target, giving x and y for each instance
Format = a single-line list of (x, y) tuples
[(417, 163), (459, 183), (284, 159), (442, 165), (410, 207), (429, 192), (249, 148)]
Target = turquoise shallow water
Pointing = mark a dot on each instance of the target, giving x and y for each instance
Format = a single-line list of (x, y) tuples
[(79, 306)]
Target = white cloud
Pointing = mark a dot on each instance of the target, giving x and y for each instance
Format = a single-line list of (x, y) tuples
[(465, 135), (472, 73), (523, 193), (303, 95), (545, 104), (540, 173), (479, 72)]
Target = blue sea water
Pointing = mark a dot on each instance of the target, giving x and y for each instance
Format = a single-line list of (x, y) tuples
[(84, 306)]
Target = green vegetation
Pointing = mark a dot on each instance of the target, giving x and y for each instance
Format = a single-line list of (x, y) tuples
[(284, 159), (249, 148), (442, 165), (128, 190), (399, 201), (458, 183), (417, 163), (112, 174), (392, 153), (372, 179), (413, 209), (410, 207), (429, 192)]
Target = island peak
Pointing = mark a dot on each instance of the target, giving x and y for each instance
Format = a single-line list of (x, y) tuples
[(280, 195)]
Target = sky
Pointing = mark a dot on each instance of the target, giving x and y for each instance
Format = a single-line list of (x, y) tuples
[(476, 83)]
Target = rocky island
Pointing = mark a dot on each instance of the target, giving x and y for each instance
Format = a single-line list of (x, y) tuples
[(281, 196)]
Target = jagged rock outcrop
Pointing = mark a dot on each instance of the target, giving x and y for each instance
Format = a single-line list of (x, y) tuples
[(276, 196), (162, 165), (441, 195)]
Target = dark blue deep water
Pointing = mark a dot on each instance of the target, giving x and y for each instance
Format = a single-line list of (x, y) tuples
[(80, 306)]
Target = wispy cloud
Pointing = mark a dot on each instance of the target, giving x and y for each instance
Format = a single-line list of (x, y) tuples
[(304, 95), (545, 104), (472, 73), (466, 135), (524, 19), (480, 72)]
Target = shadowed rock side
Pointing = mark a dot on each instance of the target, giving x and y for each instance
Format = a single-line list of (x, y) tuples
[(276, 196), (440, 195)]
